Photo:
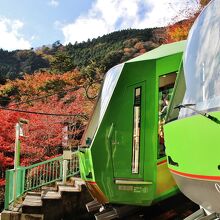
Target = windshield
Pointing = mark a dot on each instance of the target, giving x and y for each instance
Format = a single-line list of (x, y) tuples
[(178, 94), (202, 62), (109, 84)]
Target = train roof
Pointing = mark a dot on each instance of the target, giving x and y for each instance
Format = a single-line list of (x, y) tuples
[(162, 51)]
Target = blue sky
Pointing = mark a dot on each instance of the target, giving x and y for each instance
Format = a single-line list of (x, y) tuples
[(33, 23)]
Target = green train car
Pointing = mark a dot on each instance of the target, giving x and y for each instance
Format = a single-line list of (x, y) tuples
[(192, 128), (124, 159)]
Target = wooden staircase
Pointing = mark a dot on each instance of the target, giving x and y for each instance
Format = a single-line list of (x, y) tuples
[(52, 203)]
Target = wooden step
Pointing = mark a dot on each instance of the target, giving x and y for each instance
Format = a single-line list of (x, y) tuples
[(70, 189), (16, 208), (67, 184), (7, 215), (76, 180), (32, 217), (48, 188), (79, 181), (32, 200), (32, 204), (33, 193), (72, 181), (51, 195)]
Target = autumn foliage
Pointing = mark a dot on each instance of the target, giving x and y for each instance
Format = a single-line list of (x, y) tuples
[(179, 30), (45, 93)]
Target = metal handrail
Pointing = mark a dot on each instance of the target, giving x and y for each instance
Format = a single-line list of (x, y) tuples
[(37, 175)]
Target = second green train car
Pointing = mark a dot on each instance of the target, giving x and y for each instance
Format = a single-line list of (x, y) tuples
[(192, 127), (124, 159)]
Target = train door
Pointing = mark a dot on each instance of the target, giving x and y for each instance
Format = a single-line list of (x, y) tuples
[(165, 182), (166, 85), (128, 135)]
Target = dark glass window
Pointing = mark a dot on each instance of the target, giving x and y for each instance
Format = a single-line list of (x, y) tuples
[(136, 130), (166, 84)]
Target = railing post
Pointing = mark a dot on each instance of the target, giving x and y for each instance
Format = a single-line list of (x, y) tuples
[(7, 186), (22, 179), (18, 133), (67, 155), (65, 166), (16, 159)]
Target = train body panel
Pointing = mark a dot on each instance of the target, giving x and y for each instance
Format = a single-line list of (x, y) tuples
[(194, 158), (192, 129), (166, 186), (122, 162)]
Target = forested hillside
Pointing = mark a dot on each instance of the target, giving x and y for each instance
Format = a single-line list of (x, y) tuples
[(102, 52)]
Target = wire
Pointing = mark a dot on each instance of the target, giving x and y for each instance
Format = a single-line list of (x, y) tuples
[(86, 87), (87, 90), (42, 113), (42, 97)]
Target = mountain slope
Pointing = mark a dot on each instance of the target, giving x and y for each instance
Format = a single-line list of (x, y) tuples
[(97, 54)]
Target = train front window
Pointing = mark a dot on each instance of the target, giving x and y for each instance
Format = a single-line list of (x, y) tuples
[(136, 130), (202, 63), (109, 84), (177, 97), (166, 85)]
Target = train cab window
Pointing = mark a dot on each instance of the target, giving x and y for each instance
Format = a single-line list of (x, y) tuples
[(166, 85), (177, 97), (136, 130)]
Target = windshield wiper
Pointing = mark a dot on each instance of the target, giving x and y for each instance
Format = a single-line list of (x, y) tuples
[(204, 114)]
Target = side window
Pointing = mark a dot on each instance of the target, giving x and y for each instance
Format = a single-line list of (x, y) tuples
[(166, 85), (136, 130)]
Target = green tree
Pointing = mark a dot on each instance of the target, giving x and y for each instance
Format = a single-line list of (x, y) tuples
[(62, 62)]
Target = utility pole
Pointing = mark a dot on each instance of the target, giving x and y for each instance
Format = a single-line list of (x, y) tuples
[(18, 133), (66, 152)]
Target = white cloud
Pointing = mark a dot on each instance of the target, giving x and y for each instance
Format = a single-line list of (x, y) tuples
[(53, 3), (107, 16), (165, 12), (81, 30), (58, 25), (34, 37), (10, 38)]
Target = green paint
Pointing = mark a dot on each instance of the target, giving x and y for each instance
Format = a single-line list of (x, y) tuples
[(9, 196), (109, 156), (187, 140), (86, 165), (140, 189), (7, 191), (22, 177)]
